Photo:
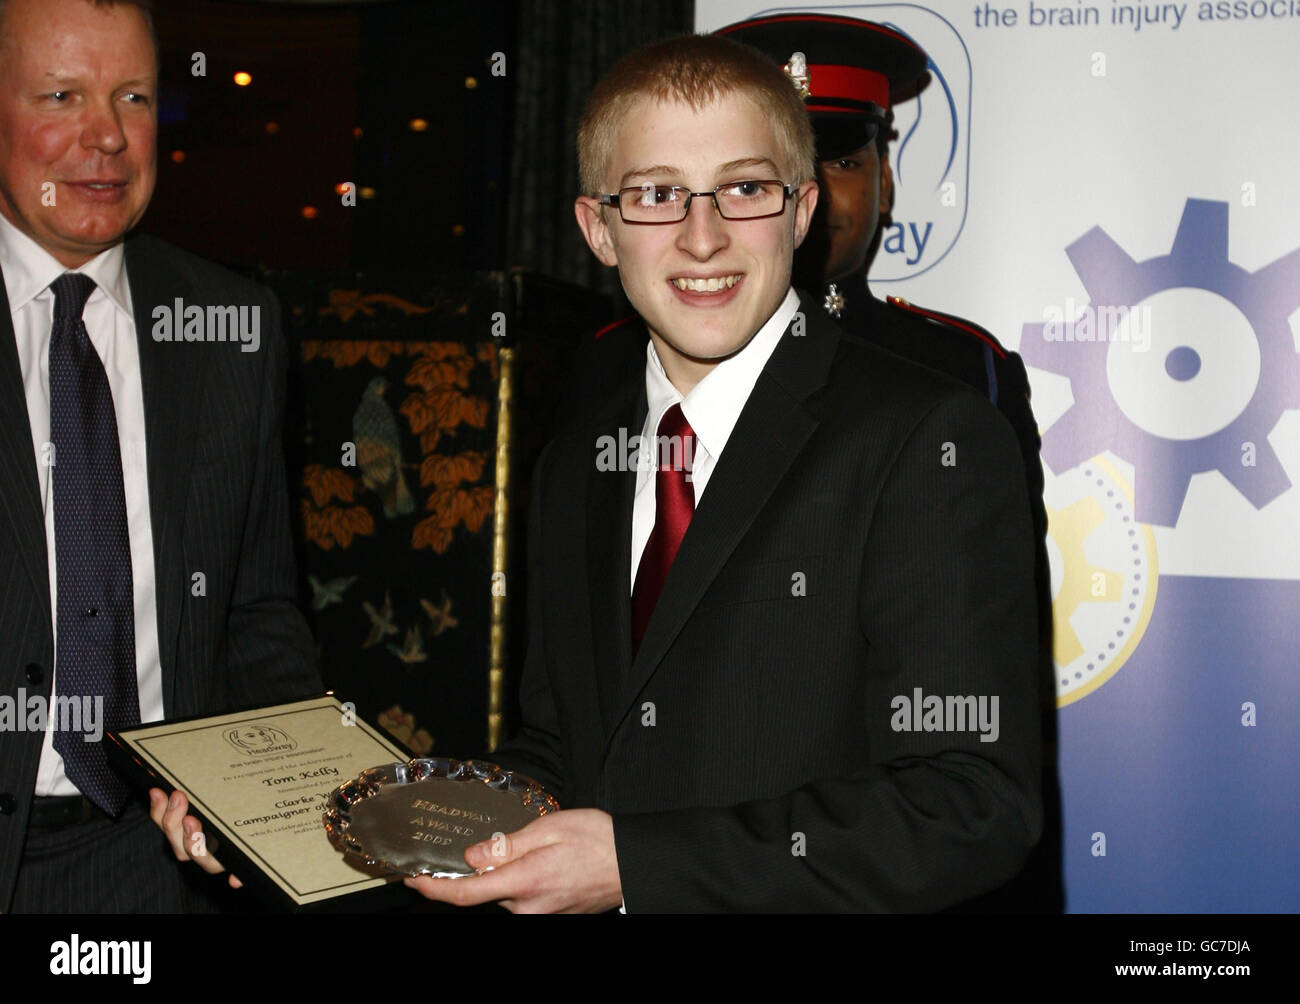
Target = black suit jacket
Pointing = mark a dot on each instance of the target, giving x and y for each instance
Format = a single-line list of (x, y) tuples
[(218, 506), (747, 752)]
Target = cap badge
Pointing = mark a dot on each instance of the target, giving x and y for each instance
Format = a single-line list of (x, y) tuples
[(797, 70)]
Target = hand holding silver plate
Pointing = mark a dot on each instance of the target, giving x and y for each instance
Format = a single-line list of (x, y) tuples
[(417, 818)]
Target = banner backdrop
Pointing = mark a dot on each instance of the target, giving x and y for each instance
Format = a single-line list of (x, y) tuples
[(1113, 189)]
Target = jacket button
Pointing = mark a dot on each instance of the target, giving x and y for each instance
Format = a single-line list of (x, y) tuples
[(8, 804), (35, 673)]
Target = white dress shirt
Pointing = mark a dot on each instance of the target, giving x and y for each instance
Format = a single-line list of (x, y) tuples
[(712, 408), (28, 271)]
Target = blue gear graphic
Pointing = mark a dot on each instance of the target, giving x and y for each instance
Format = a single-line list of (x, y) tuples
[(1164, 467)]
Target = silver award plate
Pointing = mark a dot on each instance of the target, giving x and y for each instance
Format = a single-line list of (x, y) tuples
[(417, 818)]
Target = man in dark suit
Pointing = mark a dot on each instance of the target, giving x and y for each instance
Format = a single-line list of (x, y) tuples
[(794, 672), (146, 567)]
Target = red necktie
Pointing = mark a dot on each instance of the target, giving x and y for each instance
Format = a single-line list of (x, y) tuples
[(674, 505)]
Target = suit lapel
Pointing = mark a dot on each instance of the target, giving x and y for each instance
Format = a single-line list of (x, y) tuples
[(773, 426), (20, 493), (171, 380), (610, 497)]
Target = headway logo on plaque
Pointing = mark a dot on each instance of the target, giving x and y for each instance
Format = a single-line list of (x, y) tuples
[(260, 740), (931, 157)]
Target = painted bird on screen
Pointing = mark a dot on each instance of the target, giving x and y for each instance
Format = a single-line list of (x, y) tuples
[(379, 450)]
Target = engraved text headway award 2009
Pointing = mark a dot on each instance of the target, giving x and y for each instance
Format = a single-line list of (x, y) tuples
[(258, 781), (418, 818)]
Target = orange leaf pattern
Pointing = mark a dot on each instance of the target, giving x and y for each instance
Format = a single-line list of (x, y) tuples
[(349, 353), (438, 350), (349, 302), (428, 533), (336, 524), (442, 470), (451, 506), (428, 373), (326, 483)]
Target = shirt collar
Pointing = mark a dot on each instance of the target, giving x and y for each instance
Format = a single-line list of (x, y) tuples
[(714, 404), (29, 269)]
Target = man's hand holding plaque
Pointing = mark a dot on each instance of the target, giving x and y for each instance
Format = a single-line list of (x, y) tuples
[(184, 832), (258, 781)]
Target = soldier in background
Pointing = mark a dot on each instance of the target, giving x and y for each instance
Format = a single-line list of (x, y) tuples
[(851, 74)]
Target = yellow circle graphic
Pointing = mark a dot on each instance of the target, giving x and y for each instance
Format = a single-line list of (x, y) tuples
[(1104, 576)]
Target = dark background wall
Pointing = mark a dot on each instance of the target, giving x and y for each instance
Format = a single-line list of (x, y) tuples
[(397, 98), (455, 121)]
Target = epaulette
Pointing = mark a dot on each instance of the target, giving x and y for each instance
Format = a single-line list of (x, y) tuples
[(612, 325), (959, 323)]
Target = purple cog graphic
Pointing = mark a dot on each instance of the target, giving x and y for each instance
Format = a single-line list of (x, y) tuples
[(1164, 467)]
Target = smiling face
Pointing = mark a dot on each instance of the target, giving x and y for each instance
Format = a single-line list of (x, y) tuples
[(704, 286), (78, 85)]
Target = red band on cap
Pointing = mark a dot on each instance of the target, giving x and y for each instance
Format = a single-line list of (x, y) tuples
[(830, 80)]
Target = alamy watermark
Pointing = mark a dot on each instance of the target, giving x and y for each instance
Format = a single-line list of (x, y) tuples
[(76, 957), (61, 713), (194, 323), (1098, 323), (636, 453), (953, 713)]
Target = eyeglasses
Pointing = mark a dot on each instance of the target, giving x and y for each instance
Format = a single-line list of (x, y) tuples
[(735, 200)]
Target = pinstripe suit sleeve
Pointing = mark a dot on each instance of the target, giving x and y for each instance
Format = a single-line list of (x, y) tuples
[(945, 595), (270, 656)]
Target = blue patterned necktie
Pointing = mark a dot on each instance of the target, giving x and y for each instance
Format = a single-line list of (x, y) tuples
[(95, 656)]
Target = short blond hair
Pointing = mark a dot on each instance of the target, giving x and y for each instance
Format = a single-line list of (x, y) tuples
[(695, 70)]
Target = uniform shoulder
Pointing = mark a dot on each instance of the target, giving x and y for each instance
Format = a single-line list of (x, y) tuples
[(937, 322), (630, 326), (895, 395), (879, 371)]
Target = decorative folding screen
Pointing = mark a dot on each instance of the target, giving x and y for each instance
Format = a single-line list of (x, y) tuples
[(417, 406)]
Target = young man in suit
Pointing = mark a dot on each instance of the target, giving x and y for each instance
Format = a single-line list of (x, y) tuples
[(146, 567), (796, 670)]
